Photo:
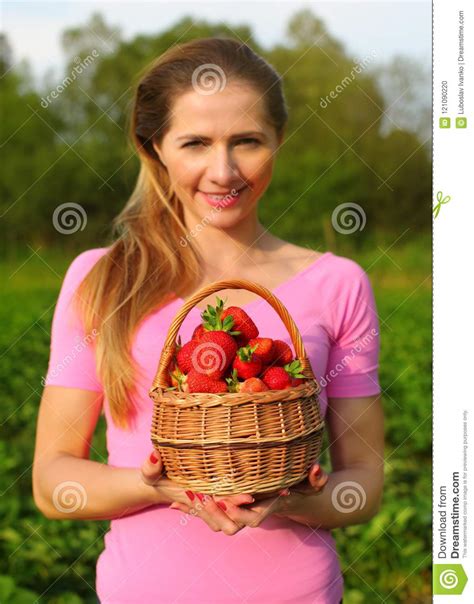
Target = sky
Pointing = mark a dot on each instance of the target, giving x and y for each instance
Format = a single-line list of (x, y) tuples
[(403, 27)]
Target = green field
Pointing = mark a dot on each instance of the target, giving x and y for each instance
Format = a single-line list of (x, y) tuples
[(387, 560)]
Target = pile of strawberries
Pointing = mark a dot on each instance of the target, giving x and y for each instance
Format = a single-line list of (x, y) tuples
[(226, 354)]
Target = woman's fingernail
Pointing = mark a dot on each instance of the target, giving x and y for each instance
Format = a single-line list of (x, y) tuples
[(153, 458), (200, 496), (222, 505), (286, 492), (317, 470), (190, 495)]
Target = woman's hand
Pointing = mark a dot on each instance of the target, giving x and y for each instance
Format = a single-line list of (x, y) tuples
[(315, 483), (276, 503), (197, 504)]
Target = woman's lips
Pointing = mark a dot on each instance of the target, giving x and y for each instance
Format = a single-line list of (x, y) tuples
[(225, 201)]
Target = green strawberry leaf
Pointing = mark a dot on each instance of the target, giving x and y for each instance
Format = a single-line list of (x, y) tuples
[(294, 369), (232, 382), (228, 323)]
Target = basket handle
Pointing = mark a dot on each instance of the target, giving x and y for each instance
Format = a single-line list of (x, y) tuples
[(169, 346)]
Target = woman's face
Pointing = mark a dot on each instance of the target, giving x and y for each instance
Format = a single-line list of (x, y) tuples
[(219, 153)]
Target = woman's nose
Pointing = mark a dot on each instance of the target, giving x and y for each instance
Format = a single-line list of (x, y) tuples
[(222, 167)]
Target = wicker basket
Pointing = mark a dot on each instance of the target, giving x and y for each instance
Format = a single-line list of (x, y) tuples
[(236, 442)]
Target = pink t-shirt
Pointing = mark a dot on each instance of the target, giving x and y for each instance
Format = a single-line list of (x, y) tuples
[(162, 555)]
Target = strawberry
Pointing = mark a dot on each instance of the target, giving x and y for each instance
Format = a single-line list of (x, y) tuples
[(213, 319), (246, 363), (279, 378), (276, 378), (282, 353), (199, 382), (241, 322), (264, 350), (214, 353), (297, 381), (198, 332), (253, 384), (184, 356)]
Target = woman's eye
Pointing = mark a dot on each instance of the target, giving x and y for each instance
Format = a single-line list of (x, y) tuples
[(192, 143), (248, 140), (242, 140)]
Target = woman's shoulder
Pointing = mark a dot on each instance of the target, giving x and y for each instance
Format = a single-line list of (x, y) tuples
[(341, 268), (90, 256), (83, 263), (340, 277), (345, 267), (348, 284)]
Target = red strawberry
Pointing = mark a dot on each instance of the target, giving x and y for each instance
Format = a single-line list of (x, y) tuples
[(213, 319), (242, 323), (213, 353), (264, 349), (198, 382), (276, 378), (198, 332), (282, 352), (253, 384), (246, 363), (280, 378), (184, 356)]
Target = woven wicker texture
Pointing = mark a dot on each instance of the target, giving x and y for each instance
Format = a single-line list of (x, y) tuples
[(236, 442)]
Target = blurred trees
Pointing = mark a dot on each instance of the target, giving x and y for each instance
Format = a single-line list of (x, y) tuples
[(74, 147)]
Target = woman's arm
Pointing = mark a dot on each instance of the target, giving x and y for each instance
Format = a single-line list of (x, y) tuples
[(353, 492), (66, 483)]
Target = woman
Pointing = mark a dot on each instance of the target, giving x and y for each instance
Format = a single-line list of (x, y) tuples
[(208, 119)]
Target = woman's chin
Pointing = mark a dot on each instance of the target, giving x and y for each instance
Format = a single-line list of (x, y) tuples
[(225, 219), (221, 218)]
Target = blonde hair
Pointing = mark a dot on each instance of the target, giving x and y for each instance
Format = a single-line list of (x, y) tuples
[(146, 267)]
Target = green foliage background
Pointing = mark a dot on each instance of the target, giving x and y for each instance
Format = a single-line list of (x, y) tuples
[(75, 150)]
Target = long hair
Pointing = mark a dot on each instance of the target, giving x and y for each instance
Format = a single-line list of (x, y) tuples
[(146, 267)]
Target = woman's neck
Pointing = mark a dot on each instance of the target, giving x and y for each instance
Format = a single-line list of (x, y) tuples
[(234, 247)]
